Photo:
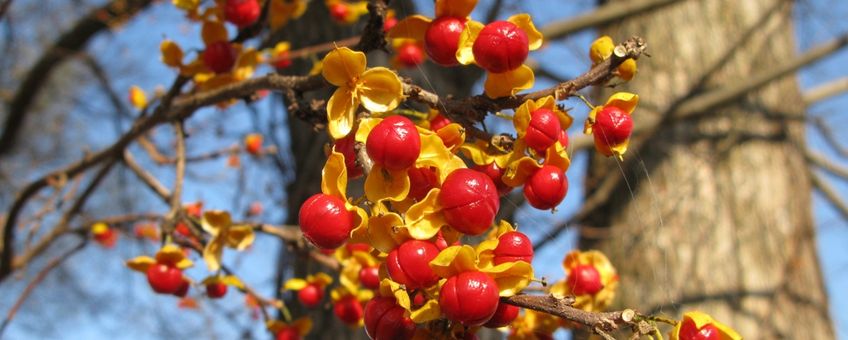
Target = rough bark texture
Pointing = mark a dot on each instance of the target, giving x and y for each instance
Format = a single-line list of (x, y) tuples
[(715, 214)]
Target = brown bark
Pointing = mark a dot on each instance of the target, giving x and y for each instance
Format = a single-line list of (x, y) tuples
[(715, 213)]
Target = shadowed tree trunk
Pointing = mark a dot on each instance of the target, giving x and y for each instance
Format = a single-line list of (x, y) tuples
[(715, 213)]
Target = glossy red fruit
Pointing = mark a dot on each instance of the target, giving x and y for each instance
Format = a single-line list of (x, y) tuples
[(563, 138), (442, 39), (470, 298), (385, 320), (389, 23), (164, 279), (613, 126), (183, 290), (253, 143), (242, 13), (690, 331), (394, 143), (347, 147), (216, 290), (219, 56), (370, 277), (513, 246), (543, 131), (311, 295), (325, 221), (438, 122), (441, 243), (546, 188), (339, 11), (470, 201), (290, 333), (410, 55), (501, 46), (348, 309), (409, 264), (496, 174), (503, 316), (421, 180), (584, 279)]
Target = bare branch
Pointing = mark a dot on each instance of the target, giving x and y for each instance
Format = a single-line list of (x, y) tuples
[(600, 322), (822, 162), (825, 91), (829, 137), (830, 194), (55, 262), (69, 43), (146, 177), (725, 94), (601, 16)]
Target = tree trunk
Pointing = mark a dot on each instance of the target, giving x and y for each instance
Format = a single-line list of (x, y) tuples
[(715, 213)]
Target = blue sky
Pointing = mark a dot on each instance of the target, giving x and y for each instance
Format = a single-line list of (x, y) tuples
[(132, 48)]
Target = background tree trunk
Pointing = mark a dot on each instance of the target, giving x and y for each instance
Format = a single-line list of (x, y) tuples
[(715, 213)]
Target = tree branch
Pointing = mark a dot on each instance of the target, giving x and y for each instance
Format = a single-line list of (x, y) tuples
[(825, 91), (599, 322), (67, 45), (732, 91), (55, 262), (146, 177), (601, 16), (830, 194)]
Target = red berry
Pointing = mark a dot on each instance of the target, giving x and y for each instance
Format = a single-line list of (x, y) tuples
[(389, 23), (409, 264), (253, 143), (441, 243), (164, 279), (290, 333), (348, 309), (219, 56), (612, 126), (421, 180), (563, 138), (470, 201), (325, 221), (584, 279), (194, 209), (410, 55), (282, 60), (690, 331), (438, 122), (182, 229), (496, 174), (470, 298), (311, 295), (503, 316), (339, 11), (370, 277), (384, 319), (216, 290), (543, 131), (513, 246), (183, 290), (346, 146), (546, 187), (394, 143), (242, 13), (501, 46), (442, 39)]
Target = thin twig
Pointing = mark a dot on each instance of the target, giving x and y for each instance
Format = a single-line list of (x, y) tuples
[(146, 177), (55, 262)]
